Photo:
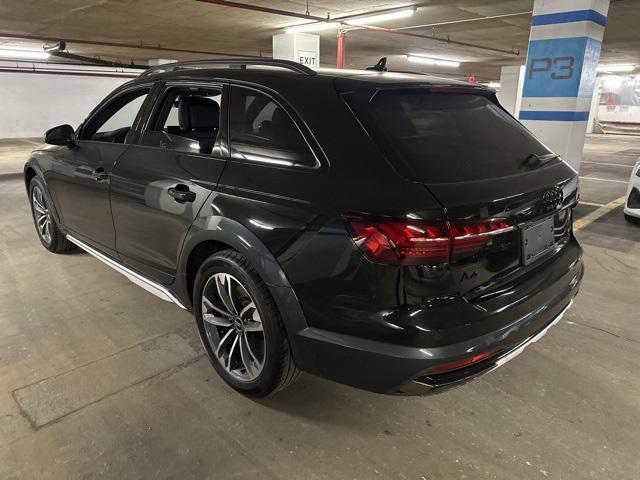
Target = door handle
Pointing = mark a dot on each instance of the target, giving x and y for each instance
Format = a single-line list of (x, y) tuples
[(182, 194), (100, 175)]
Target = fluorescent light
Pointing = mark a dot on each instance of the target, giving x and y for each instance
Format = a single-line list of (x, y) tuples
[(616, 68), (381, 17), (312, 27), (612, 82), (493, 84), (24, 54), (432, 61)]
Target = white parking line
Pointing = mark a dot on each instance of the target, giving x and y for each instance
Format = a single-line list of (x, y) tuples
[(608, 163), (604, 180)]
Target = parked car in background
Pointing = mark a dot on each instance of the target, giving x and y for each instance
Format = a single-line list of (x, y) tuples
[(632, 205), (399, 233)]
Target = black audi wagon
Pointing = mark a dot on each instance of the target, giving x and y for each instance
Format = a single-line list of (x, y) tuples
[(396, 232)]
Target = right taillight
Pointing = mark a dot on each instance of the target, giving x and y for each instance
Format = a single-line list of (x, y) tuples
[(421, 242)]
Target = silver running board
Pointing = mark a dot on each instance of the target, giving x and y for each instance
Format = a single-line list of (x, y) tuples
[(149, 285)]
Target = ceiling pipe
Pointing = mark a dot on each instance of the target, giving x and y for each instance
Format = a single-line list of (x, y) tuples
[(94, 61), (287, 13), (466, 20), (258, 8), (441, 39), (341, 49), (74, 73), (156, 48)]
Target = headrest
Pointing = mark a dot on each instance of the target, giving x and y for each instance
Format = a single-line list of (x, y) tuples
[(198, 113), (279, 118)]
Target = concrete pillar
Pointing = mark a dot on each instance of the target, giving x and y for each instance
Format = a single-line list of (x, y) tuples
[(564, 49), (511, 83), (303, 48)]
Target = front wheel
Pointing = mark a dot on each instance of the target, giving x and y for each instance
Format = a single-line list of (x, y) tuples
[(240, 326), (48, 232)]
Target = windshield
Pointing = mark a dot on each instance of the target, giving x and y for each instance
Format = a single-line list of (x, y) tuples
[(447, 137)]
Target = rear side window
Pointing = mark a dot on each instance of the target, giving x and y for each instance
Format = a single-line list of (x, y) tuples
[(446, 137), (261, 130)]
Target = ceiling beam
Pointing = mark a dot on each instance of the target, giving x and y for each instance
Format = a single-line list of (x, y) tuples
[(139, 46), (306, 16)]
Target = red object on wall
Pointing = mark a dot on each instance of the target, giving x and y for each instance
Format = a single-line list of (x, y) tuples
[(341, 50), (473, 79)]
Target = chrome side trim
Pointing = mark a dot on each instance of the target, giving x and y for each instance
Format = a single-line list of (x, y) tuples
[(416, 387), (519, 349), (149, 285)]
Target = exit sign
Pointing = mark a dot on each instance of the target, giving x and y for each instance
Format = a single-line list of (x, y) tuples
[(308, 58)]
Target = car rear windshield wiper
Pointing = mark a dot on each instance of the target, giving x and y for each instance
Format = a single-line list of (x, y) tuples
[(535, 160)]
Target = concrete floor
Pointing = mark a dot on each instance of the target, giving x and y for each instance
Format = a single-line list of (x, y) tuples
[(100, 378)]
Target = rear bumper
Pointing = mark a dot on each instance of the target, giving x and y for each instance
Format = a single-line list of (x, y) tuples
[(432, 384), (400, 369), (632, 204)]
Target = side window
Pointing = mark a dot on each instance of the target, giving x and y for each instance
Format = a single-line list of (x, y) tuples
[(188, 121), (114, 121), (261, 130)]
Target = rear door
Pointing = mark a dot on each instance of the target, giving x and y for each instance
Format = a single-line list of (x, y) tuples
[(159, 185), (480, 163), (79, 181)]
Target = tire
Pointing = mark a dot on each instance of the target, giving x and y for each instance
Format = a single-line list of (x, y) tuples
[(633, 220), (245, 340), (46, 227)]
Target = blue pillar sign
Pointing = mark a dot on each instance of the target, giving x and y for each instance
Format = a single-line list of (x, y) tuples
[(560, 76)]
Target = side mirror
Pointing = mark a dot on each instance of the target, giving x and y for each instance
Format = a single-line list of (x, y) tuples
[(61, 135)]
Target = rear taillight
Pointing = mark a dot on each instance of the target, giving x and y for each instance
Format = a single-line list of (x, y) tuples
[(469, 236), (421, 242)]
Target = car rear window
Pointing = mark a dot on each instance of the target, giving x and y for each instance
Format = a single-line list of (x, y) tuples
[(446, 137)]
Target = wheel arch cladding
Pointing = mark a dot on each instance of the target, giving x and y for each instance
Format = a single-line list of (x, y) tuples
[(211, 234), (29, 173)]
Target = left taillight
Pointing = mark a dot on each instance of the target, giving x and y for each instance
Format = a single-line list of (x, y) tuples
[(421, 242)]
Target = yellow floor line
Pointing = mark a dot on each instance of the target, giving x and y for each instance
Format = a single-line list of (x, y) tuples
[(596, 214)]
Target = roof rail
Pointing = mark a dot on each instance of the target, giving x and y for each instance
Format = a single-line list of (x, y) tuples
[(231, 62)]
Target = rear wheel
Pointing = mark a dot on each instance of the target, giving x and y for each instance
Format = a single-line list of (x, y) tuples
[(240, 326), (48, 232)]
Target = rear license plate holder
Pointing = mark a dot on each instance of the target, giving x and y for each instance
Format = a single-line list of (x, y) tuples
[(537, 238)]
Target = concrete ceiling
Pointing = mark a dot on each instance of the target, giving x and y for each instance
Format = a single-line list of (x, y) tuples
[(192, 25)]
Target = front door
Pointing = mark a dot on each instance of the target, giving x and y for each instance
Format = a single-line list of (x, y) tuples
[(80, 181), (159, 185)]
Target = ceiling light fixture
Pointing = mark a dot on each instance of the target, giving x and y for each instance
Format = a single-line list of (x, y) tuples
[(312, 27), (381, 17), (616, 68), (432, 61), (24, 54)]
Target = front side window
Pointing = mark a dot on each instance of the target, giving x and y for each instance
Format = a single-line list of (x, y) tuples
[(187, 121), (261, 130), (115, 120)]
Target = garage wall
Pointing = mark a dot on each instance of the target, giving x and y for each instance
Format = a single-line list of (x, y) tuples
[(35, 102)]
